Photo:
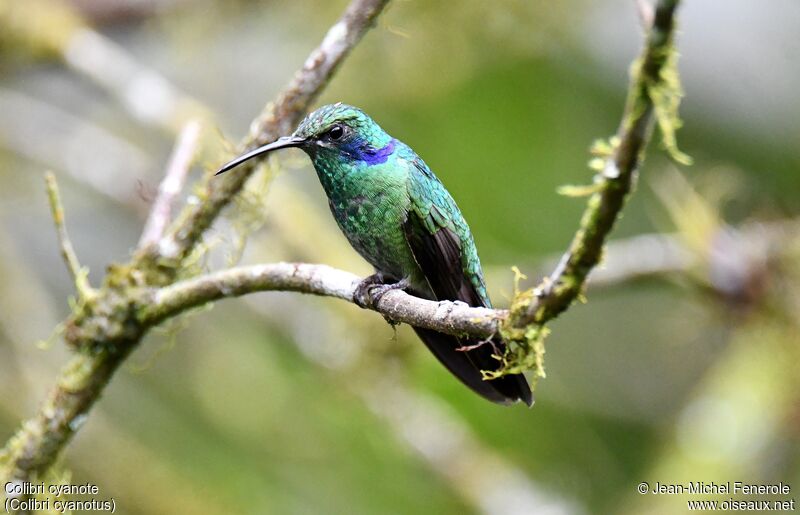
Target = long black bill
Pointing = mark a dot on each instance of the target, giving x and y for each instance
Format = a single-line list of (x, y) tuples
[(285, 142)]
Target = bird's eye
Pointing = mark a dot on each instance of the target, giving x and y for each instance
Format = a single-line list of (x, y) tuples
[(336, 132)]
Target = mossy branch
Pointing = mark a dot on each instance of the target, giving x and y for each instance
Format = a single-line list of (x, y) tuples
[(654, 91), (106, 330)]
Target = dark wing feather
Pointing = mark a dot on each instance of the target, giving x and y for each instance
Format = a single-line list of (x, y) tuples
[(438, 254), (443, 346)]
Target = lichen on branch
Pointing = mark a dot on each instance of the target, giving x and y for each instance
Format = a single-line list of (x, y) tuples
[(654, 91)]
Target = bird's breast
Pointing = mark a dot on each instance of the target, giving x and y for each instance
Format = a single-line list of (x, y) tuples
[(371, 213)]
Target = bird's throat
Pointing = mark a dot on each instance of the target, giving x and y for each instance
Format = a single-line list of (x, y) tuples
[(373, 156)]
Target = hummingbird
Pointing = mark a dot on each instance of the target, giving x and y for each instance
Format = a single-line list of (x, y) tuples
[(399, 217)]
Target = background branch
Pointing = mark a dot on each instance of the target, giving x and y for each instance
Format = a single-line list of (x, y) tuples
[(630, 259), (177, 169), (278, 118), (665, 255), (79, 276)]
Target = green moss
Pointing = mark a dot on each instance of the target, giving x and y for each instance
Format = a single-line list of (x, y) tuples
[(579, 190), (77, 374), (524, 351), (656, 84), (524, 346), (665, 93), (602, 150), (47, 343)]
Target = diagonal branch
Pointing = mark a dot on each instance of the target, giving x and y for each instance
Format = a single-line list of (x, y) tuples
[(568, 279), (277, 119), (106, 334)]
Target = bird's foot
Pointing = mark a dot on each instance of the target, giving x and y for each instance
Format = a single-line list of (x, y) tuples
[(370, 290)]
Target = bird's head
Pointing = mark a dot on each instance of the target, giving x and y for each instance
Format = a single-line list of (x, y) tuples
[(333, 132)]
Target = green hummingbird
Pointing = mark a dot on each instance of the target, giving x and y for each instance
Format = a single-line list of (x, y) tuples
[(398, 215)]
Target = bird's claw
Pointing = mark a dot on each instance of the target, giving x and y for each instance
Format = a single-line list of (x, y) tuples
[(370, 290)]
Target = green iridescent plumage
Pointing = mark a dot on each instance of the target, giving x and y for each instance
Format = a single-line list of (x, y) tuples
[(402, 220), (369, 199)]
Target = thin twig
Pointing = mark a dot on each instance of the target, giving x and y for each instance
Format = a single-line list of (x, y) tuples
[(79, 275), (177, 169)]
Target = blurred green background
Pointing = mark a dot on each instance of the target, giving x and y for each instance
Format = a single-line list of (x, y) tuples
[(279, 403)]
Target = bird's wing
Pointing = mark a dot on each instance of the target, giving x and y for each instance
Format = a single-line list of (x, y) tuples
[(440, 242), (433, 229), (438, 253)]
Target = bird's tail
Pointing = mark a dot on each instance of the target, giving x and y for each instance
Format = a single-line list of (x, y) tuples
[(467, 366)]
